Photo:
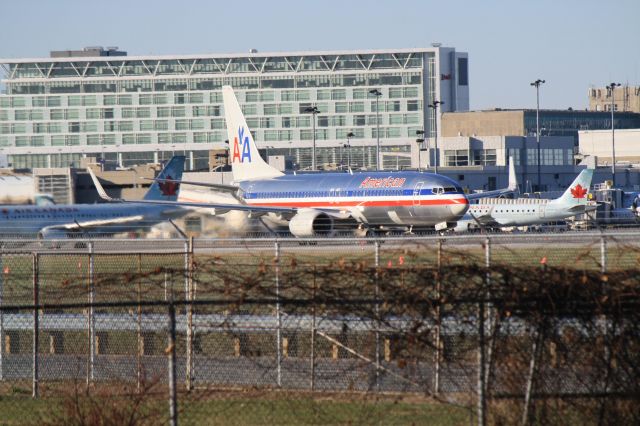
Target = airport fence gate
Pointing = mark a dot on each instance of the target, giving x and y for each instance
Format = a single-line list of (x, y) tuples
[(474, 329)]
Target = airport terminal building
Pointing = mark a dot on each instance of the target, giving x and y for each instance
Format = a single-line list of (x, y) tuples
[(126, 110)]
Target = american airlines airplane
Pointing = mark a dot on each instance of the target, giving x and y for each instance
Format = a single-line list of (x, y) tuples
[(316, 204), (61, 221), (524, 212)]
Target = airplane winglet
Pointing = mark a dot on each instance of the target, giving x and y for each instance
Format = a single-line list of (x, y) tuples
[(103, 194), (513, 180)]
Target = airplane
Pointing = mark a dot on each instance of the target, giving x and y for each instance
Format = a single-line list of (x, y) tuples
[(318, 204), (62, 221), (522, 212)]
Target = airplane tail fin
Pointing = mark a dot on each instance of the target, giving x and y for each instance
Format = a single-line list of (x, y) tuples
[(164, 187), (246, 163), (577, 192), (513, 179)]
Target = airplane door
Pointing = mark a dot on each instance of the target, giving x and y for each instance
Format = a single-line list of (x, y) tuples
[(416, 193), (541, 211)]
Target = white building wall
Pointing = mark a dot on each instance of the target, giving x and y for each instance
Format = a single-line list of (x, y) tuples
[(597, 143)]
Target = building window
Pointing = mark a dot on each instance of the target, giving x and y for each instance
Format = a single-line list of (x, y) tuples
[(463, 72), (515, 154), (414, 105), (484, 157), (456, 158)]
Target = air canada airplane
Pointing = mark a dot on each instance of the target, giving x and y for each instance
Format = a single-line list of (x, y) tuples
[(61, 221), (316, 204), (530, 211)]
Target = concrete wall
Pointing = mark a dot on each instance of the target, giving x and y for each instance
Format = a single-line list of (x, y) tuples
[(598, 143), (483, 123)]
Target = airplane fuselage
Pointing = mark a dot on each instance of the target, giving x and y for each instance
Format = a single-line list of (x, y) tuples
[(373, 198), (515, 214), (518, 214), (34, 219)]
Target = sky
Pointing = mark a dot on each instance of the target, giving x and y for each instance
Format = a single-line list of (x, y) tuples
[(572, 44)]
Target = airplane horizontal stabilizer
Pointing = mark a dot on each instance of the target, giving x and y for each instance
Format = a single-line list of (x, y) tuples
[(218, 186)]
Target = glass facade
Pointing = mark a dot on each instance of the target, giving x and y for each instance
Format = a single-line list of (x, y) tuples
[(132, 108), (568, 123)]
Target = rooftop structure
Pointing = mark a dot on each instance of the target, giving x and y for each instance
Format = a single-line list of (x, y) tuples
[(88, 52), (625, 99)]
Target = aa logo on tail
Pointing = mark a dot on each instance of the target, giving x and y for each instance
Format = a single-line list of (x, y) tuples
[(241, 147)]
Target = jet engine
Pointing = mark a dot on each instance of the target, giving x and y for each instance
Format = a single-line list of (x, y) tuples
[(311, 223)]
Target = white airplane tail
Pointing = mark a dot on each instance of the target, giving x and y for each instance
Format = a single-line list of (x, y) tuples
[(246, 163), (513, 180), (576, 193)]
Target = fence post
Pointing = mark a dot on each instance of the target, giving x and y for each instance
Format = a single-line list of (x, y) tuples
[(189, 297), (489, 313), (482, 362), (377, 310), (36, 325), (481, 408), (603, 253), (2, 343), (313, 331), (605, 332), (173, 409), (436, 374), (92, 328), (278, 318), (535, 348), (139, 328)]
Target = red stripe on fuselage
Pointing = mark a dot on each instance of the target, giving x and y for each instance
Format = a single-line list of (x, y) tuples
[(367, 203)]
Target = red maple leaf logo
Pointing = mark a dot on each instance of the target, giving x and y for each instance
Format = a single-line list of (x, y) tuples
[(168, 187), (578, 191)]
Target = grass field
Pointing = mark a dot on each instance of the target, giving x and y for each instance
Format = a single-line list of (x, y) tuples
[(66, 276), (22, 410)]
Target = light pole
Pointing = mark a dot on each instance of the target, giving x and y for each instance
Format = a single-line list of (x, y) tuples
[(377, 94), (537, 84), (434, 106), (348, 146), (612, 88), (420, 140), (314, 111)]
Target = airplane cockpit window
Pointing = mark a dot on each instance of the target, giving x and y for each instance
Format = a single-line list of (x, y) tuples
[(438, 190), (450, 190)]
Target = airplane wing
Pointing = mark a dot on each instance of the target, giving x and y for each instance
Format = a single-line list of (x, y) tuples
[(223, 206), (482, 219), (75, 226), (582, 208), (217, 186), (513, 186)]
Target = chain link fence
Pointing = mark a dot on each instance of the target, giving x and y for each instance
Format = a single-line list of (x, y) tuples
[(457, 330)]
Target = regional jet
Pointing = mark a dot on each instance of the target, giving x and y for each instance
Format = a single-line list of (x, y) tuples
[(522, 212), (61, 221), (317, 204)]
